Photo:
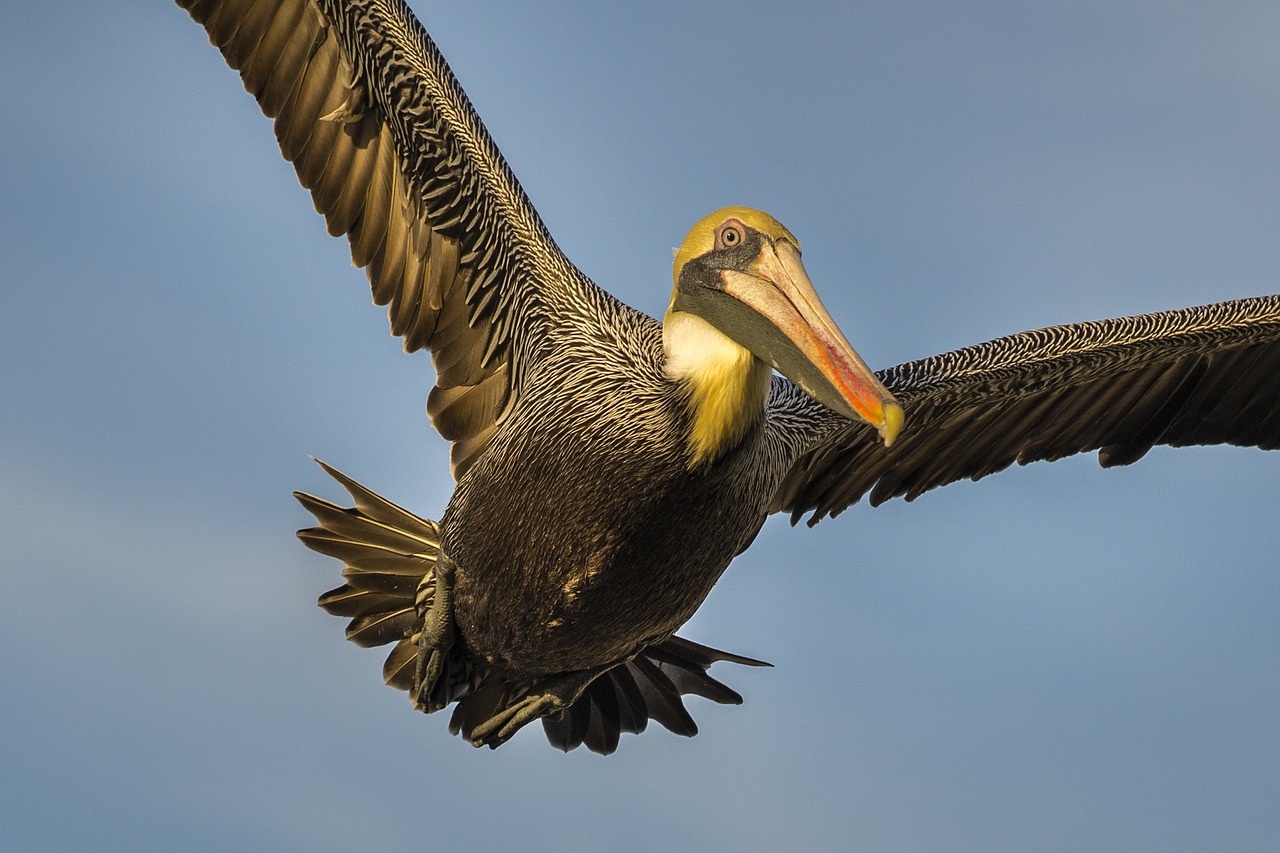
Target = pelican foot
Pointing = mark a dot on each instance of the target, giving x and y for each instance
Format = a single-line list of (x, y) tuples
[(435, 640), (554, 695)]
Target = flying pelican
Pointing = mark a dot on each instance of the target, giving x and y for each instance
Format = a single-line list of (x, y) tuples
[(608, 466)]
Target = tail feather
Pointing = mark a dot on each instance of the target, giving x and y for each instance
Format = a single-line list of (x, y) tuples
[(377, 540), (681, 652), (626, 697), (633, 710), (380, 628), (377, 619), (390, 556), (662, 697), (686, 663), (401, 665), (375, 506), (361, 556)]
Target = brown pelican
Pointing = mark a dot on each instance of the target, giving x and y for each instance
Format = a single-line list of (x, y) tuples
[(609, 467)]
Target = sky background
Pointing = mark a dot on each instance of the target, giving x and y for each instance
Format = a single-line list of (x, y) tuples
[(1056, 658)]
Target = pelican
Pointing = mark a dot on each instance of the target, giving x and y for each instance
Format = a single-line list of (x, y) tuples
[(609, 466)]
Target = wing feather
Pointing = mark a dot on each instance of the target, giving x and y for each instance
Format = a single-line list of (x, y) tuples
[(395, 158), (1207, 375)]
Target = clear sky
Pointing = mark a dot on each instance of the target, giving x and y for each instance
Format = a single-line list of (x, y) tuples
[(1056, 658)]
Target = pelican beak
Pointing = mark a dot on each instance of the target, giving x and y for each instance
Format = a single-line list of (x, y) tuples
[(788, 327)]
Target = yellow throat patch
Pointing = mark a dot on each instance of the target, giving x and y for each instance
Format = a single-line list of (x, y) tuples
[(727, 385)]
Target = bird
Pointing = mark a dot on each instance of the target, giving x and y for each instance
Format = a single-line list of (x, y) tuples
[(609, 466)]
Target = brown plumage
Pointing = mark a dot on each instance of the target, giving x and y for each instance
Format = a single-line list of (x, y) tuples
[(609, 466)]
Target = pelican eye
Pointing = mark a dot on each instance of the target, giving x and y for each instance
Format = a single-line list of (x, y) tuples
[(730, 234)]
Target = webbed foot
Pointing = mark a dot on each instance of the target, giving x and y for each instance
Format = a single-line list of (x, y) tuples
[(435, 640), (548, 697)]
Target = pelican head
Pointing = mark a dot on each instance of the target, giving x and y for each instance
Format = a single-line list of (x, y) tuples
[(740, 285)]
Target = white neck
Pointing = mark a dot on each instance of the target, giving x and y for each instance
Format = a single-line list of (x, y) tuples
[(728, 385)]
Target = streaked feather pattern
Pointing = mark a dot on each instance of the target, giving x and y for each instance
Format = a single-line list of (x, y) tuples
[(395, 158), (1205, 375)]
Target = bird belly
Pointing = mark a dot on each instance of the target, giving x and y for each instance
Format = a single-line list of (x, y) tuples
[(580, 560)]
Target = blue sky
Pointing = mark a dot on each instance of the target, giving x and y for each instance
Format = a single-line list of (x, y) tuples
[(1056, 658)]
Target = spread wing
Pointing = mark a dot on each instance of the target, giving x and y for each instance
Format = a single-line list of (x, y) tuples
[(396, 159), (1207, 375)]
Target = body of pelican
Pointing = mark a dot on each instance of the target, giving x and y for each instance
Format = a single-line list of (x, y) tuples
[(626, 538)]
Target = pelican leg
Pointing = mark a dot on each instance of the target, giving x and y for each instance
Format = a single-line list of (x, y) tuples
[(547, 697), (431, 689)]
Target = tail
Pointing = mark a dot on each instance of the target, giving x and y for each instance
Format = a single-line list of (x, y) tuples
[(649, 686), (390, 556)]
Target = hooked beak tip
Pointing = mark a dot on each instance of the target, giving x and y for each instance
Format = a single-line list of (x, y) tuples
[(892, 423)]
